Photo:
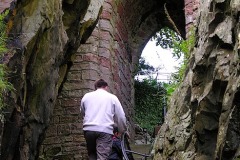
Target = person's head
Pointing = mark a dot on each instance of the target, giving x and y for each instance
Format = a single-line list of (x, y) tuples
[(115, 132), (100, 84)]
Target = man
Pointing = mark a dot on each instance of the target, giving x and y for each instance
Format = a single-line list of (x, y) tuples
[(101, 110)]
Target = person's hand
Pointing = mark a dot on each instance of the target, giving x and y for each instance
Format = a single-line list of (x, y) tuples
[(127, 134)]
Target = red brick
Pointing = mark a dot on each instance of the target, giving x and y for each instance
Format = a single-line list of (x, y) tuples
[(104, 52), (105, 35), (120, 9), (105, 62), (110, 2), (106, 15), (90, 57), (105, 25), (108, 7)]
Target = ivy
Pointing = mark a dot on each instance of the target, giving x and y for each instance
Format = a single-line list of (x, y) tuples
[(149, 103), (4, 84)]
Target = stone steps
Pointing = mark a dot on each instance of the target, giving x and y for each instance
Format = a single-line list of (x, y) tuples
[(140, 148)]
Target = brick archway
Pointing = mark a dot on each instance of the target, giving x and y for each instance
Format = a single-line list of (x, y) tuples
[(111, 53)]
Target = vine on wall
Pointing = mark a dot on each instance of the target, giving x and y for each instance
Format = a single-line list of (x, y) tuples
[(149, 103), (4, 84)]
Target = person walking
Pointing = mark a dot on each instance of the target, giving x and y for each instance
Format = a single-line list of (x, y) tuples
[(101, 110)]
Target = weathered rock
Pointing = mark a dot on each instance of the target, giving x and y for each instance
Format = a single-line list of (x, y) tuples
[(44, 34), (211, 130)]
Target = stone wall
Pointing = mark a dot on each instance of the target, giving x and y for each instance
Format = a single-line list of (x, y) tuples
[(102, 56), (203, 118)]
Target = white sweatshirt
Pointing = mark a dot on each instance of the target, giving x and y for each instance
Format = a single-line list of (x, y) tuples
[(100, 110)]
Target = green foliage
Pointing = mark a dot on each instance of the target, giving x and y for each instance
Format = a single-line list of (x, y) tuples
[(4, 84), (144, 68), (170, 88), (149, 103), (168, 39), (3, 36)]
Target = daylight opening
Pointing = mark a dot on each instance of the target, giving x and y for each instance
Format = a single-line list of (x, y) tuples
[(160, 71)]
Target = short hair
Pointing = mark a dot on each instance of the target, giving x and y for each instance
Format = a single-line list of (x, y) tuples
[(100, 84), (115, 129)]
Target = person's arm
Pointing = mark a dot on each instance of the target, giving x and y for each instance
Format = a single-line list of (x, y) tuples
[(120, 117), (82, 110)]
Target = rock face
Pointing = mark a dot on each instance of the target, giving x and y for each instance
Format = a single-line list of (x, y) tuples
[(203, 121), (43, 37)]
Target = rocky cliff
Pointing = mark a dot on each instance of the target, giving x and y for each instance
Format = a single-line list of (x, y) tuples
[(203, 121), (43, 37)]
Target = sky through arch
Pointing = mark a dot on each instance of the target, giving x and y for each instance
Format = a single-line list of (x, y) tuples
[(159, 57)]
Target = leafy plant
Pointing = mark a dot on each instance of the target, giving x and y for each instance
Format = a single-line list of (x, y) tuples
[(4, 84), (149, 103), (168, 39), (144, 68)]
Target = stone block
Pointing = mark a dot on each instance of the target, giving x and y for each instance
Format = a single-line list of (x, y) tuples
[(105, 44), (63, 129), (67, 139), (76, 128), (90, 57), (79, 138), (90, 74), (73, 110), (52, 140), (69, 102), (74, 75), (71, 148), (105, 25), (77, 85), (75, 93), (55, 120), (106, 15), (108, 6), (51, 131), (105, 35), (68, 119), (91, 48), (50, 150), (104, 52), (105, 62)]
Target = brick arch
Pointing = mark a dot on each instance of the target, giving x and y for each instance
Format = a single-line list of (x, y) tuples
[(111, 53), (150, 17)]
